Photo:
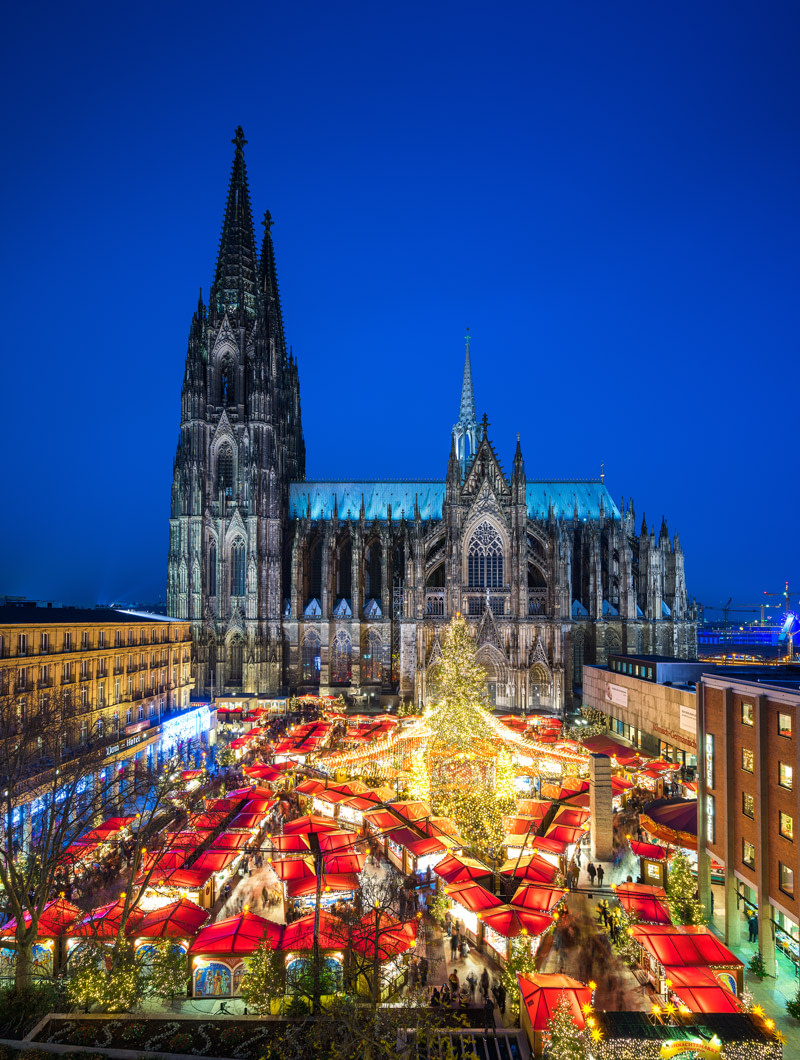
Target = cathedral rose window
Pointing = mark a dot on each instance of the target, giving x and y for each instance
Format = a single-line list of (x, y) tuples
[(485, 558)]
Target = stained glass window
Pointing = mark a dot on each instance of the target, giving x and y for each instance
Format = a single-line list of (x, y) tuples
[(212, 570), (485, 558), (311, 657), (341, 659), (225, 471), (237, 569), (372, 669)]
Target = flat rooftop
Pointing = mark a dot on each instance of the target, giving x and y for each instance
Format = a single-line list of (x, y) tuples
[(30, 614)]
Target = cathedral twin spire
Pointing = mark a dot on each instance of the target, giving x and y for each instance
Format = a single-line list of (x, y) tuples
[(465, 431)]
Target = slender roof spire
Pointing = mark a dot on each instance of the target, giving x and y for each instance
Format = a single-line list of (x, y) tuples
[(235, 280), (466, 414), (268, 284)]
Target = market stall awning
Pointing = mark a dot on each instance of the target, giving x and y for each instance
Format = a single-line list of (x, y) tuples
[(191, 774), (299, 935), (178, 920), (186, 840), (308, 824), (230, 841), (571, 816), (541, 993), (530, 867), (164, 859), (510, 922), (288, 869), (57, 917), (391, 937), (191, 879), (238, 934), (551, 844), (521, 825), (416, 845), (472, 896), (684, 946), (647, 902), (332, 883), (338, 842), (288, 844), (105, 921), (107, 830), (647, 850), (461, 869), (76, 852), (607, 745), (672, 821), (249, 821), (413, 810), (208, 821), (564, 833), (226, 805), (537, 897), (351, 862), (216, 860), (533, 808)]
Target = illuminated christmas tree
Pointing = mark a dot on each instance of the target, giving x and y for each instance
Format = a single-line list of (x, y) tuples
[(684, 905), (563, 1040)]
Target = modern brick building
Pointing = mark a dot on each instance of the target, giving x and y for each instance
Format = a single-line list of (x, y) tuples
[(749, 811)]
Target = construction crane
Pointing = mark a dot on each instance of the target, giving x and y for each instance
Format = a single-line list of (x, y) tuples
[(787, 597), (727, 608)]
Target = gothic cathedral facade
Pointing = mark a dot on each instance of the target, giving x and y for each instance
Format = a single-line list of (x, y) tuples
[(328, 587)]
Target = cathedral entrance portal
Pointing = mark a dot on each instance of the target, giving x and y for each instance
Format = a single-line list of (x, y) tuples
[(491, 687)]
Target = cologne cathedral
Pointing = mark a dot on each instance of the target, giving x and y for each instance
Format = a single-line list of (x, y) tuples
[(328, 587)]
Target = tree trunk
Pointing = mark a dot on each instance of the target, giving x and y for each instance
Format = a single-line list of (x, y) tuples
[(23, 966)]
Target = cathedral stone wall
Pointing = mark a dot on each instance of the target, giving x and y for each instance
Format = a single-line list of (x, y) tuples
[(292, 585)]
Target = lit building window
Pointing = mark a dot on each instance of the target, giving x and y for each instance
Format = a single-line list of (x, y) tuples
[(748, 805), (747, 714), (786, 878), (785, 825), (485, 558), (785, 775), (341, 658), (784, 724), (748, 853), (747, 760)]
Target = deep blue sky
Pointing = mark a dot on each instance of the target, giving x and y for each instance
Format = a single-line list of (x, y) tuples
[(605, 194)]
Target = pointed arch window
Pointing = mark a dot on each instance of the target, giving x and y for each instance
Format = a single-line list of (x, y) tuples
[(235, 656), (485, 558), (310, 658), (373, 576), (372, 668), (227, 388), (212, 569), (341, 659), (225, 470), (237, 568)]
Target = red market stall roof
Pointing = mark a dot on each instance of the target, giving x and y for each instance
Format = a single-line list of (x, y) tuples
[(537, 897), (647, 850), (683, 946), (288, 869), (521, 825), (248, 820), (226, 806), (510, 922), (533, 807), (338, 842), (412, 811), (335, 883), (381, 820), (390, 936), (647, 902), (164, 859), (255, 805), (530, 867), (310, 786), (310, 823), (76, 852), (178, 920), (700, 990), (472, 896), (565, 790), (57, 916), (239, 743), (187, 840), (191, 774), (572, 816), (238, 934), (563, 833), (216, 860), (607, 745), (262, 772), (541, 993), (351, 862), (192, 879), (230, 841), (289, 844), (104, 922), (107, 830), (620, 784), (299, 935), (251, 792), (553, 844), (417, 845), (461, 869), (206, 821)]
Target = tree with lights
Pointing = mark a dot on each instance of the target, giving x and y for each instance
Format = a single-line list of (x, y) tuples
[(264, 981), (563, 1040), (684, 905), (522, 960), (471, 779)]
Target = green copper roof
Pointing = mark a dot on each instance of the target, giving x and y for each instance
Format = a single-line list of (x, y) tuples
[(317, 499)]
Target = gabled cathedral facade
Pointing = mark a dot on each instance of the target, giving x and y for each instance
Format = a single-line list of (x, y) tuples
[(332, 587)]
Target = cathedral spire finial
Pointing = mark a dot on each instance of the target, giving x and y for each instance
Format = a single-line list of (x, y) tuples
[(234, 287), (465, 431), (268, 285)]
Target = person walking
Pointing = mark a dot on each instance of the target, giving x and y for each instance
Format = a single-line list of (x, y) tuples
[(570, 878), (600, 874), (592, 872), (472, 982), (484, 983), (453, 946), (501, 997)]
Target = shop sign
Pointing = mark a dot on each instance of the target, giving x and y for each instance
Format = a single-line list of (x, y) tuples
[(688, 719), (617, 695)]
